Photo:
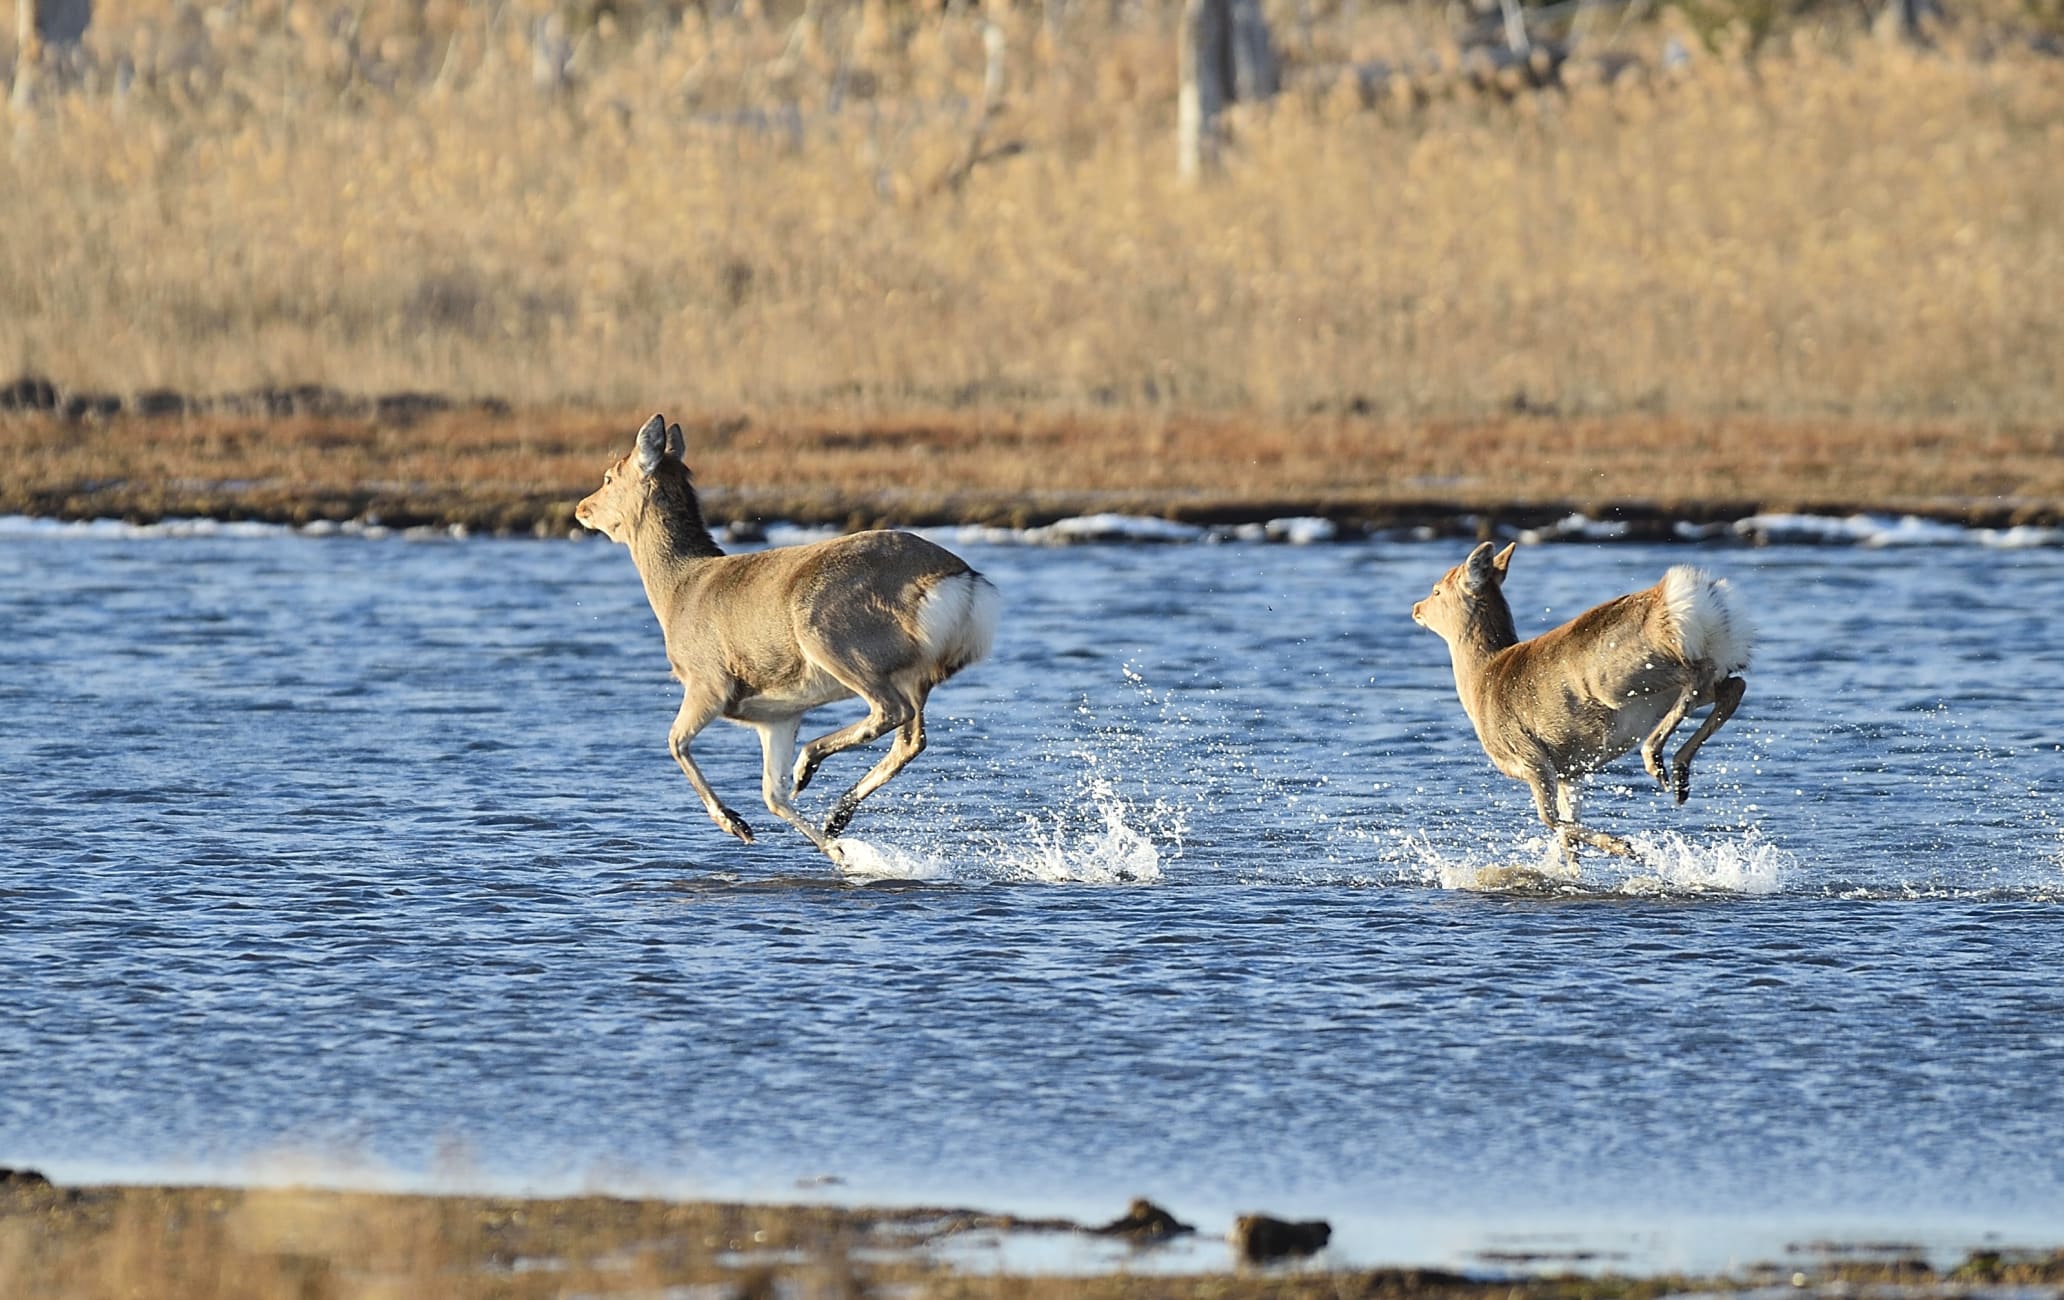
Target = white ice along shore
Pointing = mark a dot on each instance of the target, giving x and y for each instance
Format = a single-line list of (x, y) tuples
[(1869, 531)]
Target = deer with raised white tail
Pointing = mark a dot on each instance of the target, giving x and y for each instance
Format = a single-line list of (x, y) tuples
[(1554, 709), (763, 637)]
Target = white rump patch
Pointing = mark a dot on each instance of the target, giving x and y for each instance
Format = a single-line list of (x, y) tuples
[(956, 619), (1710, 622)]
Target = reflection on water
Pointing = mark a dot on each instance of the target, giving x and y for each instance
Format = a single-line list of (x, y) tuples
[(364, 856)]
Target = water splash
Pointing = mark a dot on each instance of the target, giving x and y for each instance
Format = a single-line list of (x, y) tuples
[(1665, 864), (1107, 802), (862, 861), (1058, 848), (1099, 836), (1672, 863), (1143, 764)]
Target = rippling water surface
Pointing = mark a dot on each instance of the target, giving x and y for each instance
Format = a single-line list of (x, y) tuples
[(361, 858)]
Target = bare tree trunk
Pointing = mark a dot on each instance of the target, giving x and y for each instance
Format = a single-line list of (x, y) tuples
[(1256, 74), (28, 51), (43, 28), (1909, 20), (1224, 54), (1204, 58)]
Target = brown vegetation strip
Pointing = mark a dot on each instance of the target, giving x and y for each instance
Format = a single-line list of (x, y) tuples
[(495, 469)]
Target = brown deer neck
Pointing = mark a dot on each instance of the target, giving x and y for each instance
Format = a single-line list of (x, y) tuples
[(669, 540), (1489, 627)]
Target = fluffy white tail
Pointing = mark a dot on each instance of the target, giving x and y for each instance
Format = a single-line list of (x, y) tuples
[(1711, 623), (956, 621)]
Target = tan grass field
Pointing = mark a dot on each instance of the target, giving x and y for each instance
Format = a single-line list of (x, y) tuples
[(775, 212)]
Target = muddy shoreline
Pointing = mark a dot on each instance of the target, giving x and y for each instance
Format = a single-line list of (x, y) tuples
[(63, 1241), (745, 513), (405, 460)]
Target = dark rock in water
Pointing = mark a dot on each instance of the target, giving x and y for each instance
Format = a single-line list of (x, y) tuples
[(1257, 1237), (1145, 1221), (21, 1178)]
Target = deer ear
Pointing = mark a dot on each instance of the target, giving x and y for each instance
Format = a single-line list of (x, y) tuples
[(1477, 570), (1502, 561), (651, 444), (676, 443)]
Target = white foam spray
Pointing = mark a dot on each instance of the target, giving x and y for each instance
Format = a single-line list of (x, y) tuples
[(1113, 809), (1099, 838), (1664, 864), (1058, 847), (864, 860)]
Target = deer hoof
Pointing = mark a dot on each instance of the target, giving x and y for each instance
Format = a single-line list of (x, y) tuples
[(735, 825), (841, 817), (1681, 784), (805, 768)]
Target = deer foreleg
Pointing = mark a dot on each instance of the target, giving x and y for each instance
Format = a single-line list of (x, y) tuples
[(1726, 697), (698, 710), (1549, 802), (909, 743), (1557, 800), (777, 751), (1568, 799)]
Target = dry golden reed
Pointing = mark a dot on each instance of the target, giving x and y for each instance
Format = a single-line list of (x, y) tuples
[(802, 213)]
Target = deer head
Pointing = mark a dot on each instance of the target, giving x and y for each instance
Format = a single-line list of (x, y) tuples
[(629, 485), (1467, 594)]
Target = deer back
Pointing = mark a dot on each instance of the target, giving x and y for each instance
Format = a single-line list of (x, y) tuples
[(770, 619), (1581, 691)]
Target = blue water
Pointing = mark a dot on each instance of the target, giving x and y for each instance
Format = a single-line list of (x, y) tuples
[(361, 859)]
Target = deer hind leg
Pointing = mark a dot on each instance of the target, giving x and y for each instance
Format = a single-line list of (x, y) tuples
[(1727, 696), (909, 743), (777, 751), (1652, 748), (887, 709), (698, 710)]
